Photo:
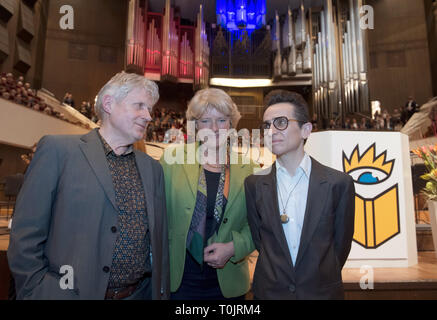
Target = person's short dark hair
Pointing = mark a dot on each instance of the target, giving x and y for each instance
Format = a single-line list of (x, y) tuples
[(300, 112)]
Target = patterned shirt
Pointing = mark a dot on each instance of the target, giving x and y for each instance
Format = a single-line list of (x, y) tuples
[(131, 256)]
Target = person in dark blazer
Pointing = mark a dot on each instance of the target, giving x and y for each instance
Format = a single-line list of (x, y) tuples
[(90, 220), (411, 107), (301, 213)]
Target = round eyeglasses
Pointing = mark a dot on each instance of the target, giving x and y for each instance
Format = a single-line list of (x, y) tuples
[(280, 123)]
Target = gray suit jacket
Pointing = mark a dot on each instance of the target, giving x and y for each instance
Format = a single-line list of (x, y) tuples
[(65, 214), (325, 240)]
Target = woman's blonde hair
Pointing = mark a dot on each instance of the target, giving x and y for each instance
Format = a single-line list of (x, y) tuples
[(211, 98), (119, 87)]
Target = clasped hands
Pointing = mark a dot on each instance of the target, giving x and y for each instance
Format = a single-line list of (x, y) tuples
[(218, 254)]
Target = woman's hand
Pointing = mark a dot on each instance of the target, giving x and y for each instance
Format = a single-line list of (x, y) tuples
[(217, 254)]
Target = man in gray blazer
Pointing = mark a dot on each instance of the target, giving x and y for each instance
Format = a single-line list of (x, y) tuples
[(90, 220), (300, 213)]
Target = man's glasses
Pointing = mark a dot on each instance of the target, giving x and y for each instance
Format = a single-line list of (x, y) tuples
[(280, 123)]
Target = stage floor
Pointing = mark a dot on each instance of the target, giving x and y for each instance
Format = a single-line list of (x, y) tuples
[(425, 270), (415, 282), (4, 238)]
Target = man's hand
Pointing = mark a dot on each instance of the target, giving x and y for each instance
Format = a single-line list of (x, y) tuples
[(217, 254)]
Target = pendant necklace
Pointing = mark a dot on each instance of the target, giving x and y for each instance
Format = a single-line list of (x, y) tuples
[(284, 217)]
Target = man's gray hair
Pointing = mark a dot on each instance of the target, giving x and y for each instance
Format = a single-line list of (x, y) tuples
[(119, 87)]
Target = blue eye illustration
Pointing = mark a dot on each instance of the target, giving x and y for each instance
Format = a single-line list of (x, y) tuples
[(368, 175)]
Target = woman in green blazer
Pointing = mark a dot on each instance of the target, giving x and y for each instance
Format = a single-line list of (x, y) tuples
[(209, 235)]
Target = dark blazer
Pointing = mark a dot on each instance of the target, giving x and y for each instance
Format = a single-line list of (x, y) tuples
[(65, 215), (325, 240)]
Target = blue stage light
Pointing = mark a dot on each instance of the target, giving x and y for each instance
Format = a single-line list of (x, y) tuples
[(237, 15)]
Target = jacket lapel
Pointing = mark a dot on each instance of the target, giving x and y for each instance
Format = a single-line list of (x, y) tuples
[(269, 195), (191, 171), (94, 153), (235, 184), (145, 170), (317, 194)]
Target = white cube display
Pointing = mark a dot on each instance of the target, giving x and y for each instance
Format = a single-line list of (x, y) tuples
[(379, 163)]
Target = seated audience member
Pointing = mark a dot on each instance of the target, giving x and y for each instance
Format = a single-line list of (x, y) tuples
[(395, 119), (18, 99), (411, 107), (347, 124), (4, 83), (385, 118), (433, 117), (82, 108), (332, 124), (48, 111), (5, 95), (68, 99), (10, 80), (13, 92), (363, 124), (379, 122)]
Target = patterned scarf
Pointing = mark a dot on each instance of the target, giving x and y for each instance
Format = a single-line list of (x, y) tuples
[(196, 233)]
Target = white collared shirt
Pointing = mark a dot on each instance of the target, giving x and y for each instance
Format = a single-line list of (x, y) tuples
[(295, 209)]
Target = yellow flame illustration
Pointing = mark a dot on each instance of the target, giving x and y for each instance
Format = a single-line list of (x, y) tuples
[(367, 160)]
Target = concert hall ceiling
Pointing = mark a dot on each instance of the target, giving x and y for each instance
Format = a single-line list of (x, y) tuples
[(190, 8)]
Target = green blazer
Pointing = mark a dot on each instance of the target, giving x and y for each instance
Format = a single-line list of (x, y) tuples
[(181, 188)]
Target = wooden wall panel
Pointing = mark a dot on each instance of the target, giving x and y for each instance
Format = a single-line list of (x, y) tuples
[(4, 43), (431, 21), (6, 10), (26, 28), (22, 38), (30, 3), (82, 60), (398, 48), (23, 57)]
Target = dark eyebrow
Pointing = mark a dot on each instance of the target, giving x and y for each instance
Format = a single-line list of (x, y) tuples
[(143, 104), (150, 108)]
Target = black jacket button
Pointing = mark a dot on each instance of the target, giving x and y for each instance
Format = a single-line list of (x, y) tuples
[(106, 269), (114, 229), (225, 220)]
